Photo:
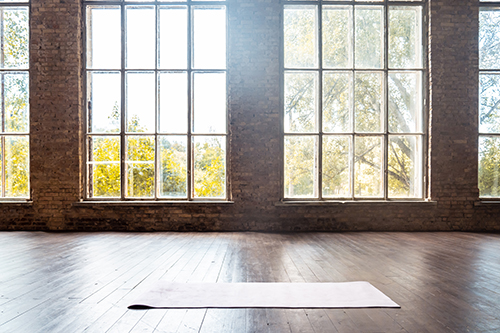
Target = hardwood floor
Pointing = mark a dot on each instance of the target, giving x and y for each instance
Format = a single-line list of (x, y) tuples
[(82, 282)]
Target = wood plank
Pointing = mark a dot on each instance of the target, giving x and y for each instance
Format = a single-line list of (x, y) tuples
[(73, 282)]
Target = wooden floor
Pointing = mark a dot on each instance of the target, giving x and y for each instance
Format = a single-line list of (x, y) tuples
[(81, 282)]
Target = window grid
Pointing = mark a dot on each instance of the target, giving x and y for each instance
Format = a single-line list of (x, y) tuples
[(489, 129), (190, 71), (320, 68), (14, 160)]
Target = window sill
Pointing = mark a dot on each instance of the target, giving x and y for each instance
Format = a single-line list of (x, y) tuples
[(487, 202), (90, 203), (355, 202), (11, 202)]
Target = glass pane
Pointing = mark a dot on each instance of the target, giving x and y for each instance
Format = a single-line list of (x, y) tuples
[(405, 167), (405, 37), (173, 166), (104, 102), (300, 101), (1, 164), (140, 168), (337, 37), (489, 39), (336, 166), (489, 167), (173, 102), (17, 167), (15, 39), (368, 168), (173, 38), (104, 166), (405, 102), (16, 91), (103, 37), (209, 37), (300, 37), (301, 166), (369, 102), (369, 44), (140, 102), (141, 37), (337, 102), (209, 167), (489, 103), (209, 103)]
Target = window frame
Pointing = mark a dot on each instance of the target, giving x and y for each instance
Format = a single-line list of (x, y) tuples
[(190, 72), (385, 133), (485, 5), (3, 133)]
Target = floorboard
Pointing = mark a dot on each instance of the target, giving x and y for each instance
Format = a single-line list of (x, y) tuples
[(82, 282)]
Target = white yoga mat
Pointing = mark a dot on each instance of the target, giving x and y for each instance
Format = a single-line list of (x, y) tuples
[(359, 294)]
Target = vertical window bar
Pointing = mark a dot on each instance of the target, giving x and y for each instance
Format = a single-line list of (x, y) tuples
[(319, 107), (2, 91), (189, 142), (156, 169), (353, 106), (385, 161), (123, 110)]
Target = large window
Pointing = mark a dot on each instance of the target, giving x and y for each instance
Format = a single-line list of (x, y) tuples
[(353, 100), (14, 108), (156, 100), (489, 100)]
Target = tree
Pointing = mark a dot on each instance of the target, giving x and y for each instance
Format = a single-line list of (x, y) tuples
[(352, 102), (209, 165)]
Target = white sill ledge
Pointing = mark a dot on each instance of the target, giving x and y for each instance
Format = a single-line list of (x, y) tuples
[(487, 202), (16, 202), (356, 202), (87, 203)]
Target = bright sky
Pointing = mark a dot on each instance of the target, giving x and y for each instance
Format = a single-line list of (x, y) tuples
[(209, 45)]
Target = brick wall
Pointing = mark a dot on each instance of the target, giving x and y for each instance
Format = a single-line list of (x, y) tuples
[(255, 152)]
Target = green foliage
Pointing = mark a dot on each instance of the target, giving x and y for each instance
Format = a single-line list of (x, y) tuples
[(173, 167), (16, 166), (209, 165), (489, 167), (209, 169)]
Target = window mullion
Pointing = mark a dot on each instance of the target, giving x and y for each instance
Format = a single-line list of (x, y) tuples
[(156, 145), (319, 110), (385, 162), (189, 143), (123, 115), (353, 106)]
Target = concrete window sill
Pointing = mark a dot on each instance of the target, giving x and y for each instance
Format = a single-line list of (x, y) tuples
[(11, 202), (357, 202), (90, 203)]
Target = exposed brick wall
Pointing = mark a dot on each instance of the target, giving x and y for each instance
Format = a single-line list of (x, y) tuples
[(255, 153)]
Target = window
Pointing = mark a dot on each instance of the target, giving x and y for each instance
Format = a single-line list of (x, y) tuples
[(14, 98), (489, 100), (156, 119), (353, 100)]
